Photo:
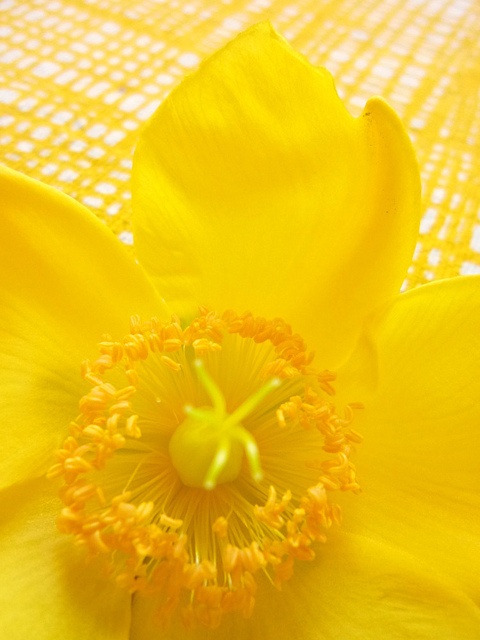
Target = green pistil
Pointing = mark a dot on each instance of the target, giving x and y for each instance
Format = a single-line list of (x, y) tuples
[(207, 449)]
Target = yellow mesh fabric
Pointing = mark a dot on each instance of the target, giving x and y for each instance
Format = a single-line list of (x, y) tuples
[(78, 78)]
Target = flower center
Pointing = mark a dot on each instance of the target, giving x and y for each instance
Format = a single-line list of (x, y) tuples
[(202, 456), (207, 448)]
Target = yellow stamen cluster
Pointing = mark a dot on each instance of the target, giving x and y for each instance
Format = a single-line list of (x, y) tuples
[(197, 548)]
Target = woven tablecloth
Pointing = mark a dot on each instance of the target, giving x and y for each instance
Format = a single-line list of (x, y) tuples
[(78, 79)]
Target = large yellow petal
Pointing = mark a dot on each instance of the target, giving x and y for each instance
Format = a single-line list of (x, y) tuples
[(254, 188), (420, 462), (64, 281), (48, 590), (357, 589)]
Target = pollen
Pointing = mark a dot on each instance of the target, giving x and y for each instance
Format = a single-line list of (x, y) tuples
[(202, 458)]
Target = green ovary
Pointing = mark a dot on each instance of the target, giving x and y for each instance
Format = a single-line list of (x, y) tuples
[(207, 449)]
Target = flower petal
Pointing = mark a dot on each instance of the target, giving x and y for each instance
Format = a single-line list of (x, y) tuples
[(357, 588), (64, 281), (420, 462), (254, 188), (48, 590)]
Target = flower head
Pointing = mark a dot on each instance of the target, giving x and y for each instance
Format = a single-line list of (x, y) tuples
[(206, 452)]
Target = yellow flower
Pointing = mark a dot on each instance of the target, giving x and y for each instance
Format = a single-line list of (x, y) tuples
[(207, 457)]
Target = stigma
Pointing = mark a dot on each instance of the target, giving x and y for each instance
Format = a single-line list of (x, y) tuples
[(202, 456)]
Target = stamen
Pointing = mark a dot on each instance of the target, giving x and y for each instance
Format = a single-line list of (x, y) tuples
[(164, 491)]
